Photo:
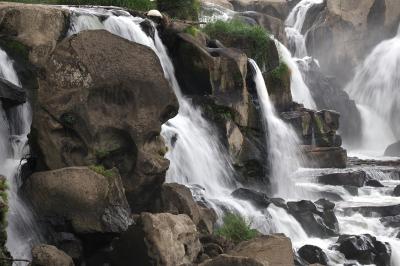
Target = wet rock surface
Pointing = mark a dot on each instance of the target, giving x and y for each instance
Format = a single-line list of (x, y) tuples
[(317, 219), (312, 255), (364, 249)]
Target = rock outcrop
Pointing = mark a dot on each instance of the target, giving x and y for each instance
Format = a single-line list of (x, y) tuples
[(365, 249), (96, 107), (38, 27), (227, 260), (49, 255), (349, 30), (91, 202), (313, 255), (318, 219), (158, 239), (267, 250)]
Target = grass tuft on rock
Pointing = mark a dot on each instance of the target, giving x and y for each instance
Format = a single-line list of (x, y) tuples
[(139, 5), (100, 169), (252, 39), (236, 228), (180, 9)]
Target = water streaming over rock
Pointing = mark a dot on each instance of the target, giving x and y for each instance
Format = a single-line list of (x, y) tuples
[(14, 127), (198, 160), (282, 141), (375, 88), (294, 26)]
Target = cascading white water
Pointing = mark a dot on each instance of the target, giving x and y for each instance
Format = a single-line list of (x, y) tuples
[(282, 141), (198, 161), (22, 232), (300, 91), (294, 26), (375, 88)]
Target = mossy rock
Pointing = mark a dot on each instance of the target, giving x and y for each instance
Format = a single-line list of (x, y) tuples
[(278, 84), (253, 40), (180, 9)]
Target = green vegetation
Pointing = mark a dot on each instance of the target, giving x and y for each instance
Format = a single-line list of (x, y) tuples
[(180, 9), (192, 30), (278, 80), (141, 5), (253, 40), (281, 72), (236, 228), (100, 169)]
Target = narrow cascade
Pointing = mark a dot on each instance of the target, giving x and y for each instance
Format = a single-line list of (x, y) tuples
[(300, 91), (22, 231), (294, 26), (375, 88), (282, 141)]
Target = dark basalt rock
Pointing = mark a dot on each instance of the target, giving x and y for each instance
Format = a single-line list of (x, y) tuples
[(317, 219), (392, 221), (396, 191), (259, 199), (10, 94), (355, 179), (313, 254), (365, 249), (373, 183)]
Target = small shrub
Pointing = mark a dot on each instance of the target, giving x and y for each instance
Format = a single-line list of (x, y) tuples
[(180, 9), (102, 171), (236, 228), (253, 40)]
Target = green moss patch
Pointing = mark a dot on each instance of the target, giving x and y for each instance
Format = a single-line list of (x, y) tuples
[(100, 169), (253, 40), (180, 9)]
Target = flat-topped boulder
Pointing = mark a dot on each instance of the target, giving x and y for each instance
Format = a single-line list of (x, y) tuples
[(268, 250), (354, 179)]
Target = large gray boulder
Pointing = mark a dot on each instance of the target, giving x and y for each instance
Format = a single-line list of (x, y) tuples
[(158, 239), (95, 105), (38, 27), (89, 201), (268, 250), (46, 255)]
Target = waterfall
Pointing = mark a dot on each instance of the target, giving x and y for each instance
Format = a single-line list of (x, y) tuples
[(282, 141), (14, 127), (375, 88), (294, 26)]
